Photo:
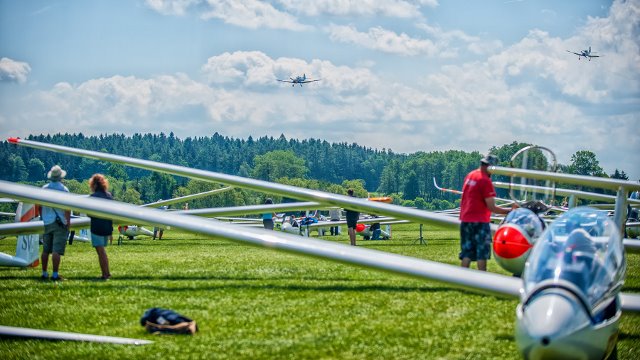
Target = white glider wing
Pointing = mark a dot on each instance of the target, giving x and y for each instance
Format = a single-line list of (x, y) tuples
[(455, 275), (347, 202), (68, 336), (187, 197)]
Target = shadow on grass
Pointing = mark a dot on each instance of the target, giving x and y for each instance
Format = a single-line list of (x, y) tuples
[(506, 337), (170, 242), (631, 289), (250, 284), (627, 336), (236, 282), (319, 288)]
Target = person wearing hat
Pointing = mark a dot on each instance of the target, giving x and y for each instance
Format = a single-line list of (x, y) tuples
[(56, 227), (476, 206)]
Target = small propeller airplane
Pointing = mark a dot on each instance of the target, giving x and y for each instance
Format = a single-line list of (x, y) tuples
[(299, 80), (585, 53), (570, 291)]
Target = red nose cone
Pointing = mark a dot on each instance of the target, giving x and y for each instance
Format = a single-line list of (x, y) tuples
[(509, 243)]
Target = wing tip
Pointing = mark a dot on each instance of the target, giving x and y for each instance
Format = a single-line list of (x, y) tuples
[(13, 140)]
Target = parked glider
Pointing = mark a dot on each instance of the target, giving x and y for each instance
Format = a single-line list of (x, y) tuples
[(189, 197), (574, 323), (299, 80), (37, 227), (131, 231), (575, 312), (585, 53), (28, 226), (458, 192)]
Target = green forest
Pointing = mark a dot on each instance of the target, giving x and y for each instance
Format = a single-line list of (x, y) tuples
[(309, 163)]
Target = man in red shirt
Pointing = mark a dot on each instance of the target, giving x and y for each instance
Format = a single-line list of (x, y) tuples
[(478, 202)]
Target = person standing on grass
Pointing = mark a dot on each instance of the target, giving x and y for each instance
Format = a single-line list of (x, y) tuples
[(476, 206), (267, 218), (56, 227), (334, 215), (101, 229), (158, 231), (352, 221)]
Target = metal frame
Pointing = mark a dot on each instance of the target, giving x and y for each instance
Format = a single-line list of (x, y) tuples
[(622, 187)]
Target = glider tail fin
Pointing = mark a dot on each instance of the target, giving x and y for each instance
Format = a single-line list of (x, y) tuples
[(27, 246)]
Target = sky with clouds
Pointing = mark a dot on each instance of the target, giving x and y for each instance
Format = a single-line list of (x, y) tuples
[(406, 75)]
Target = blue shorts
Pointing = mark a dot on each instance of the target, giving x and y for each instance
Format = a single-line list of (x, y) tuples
[(99, 240), (475, 241)]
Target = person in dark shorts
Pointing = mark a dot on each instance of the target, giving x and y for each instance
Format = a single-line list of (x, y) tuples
[(352, 221), (478, 202)]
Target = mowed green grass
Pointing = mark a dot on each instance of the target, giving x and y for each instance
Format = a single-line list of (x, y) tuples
[(255, 303)]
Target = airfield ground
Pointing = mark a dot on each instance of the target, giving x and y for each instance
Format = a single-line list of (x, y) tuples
[(254, 303)]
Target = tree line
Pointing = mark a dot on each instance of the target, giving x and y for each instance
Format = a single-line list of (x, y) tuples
[(310, 163)]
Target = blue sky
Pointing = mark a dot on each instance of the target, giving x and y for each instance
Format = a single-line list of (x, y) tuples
[(406, 75)]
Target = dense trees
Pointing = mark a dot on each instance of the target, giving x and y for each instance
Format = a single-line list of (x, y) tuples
[(585, 163), (309, 163), (278, 164)]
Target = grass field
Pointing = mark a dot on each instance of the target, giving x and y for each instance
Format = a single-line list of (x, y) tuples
[(254, 303)]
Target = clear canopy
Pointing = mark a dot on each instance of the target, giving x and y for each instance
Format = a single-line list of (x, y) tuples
[(527, 220), (582, 247)]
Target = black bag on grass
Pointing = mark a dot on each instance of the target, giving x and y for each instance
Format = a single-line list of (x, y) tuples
[(164, 321)]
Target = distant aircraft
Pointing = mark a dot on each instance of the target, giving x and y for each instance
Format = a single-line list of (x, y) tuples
[(299, 80), (586, 53), (131, 231)]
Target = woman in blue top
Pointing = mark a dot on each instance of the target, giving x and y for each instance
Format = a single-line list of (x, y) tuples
[(267, 218)]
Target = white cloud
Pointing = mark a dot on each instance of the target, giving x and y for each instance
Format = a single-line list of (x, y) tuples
[(442, 44), (13, 71), (614, 76), (116, 104), (171, 7), (532, 91), (448, 41), (252, 14), (378, 38), (257, 71), (390, 8)]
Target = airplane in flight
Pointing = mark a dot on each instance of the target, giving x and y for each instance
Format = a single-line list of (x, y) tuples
[(584, 53), (571, 302), (299, 80)]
